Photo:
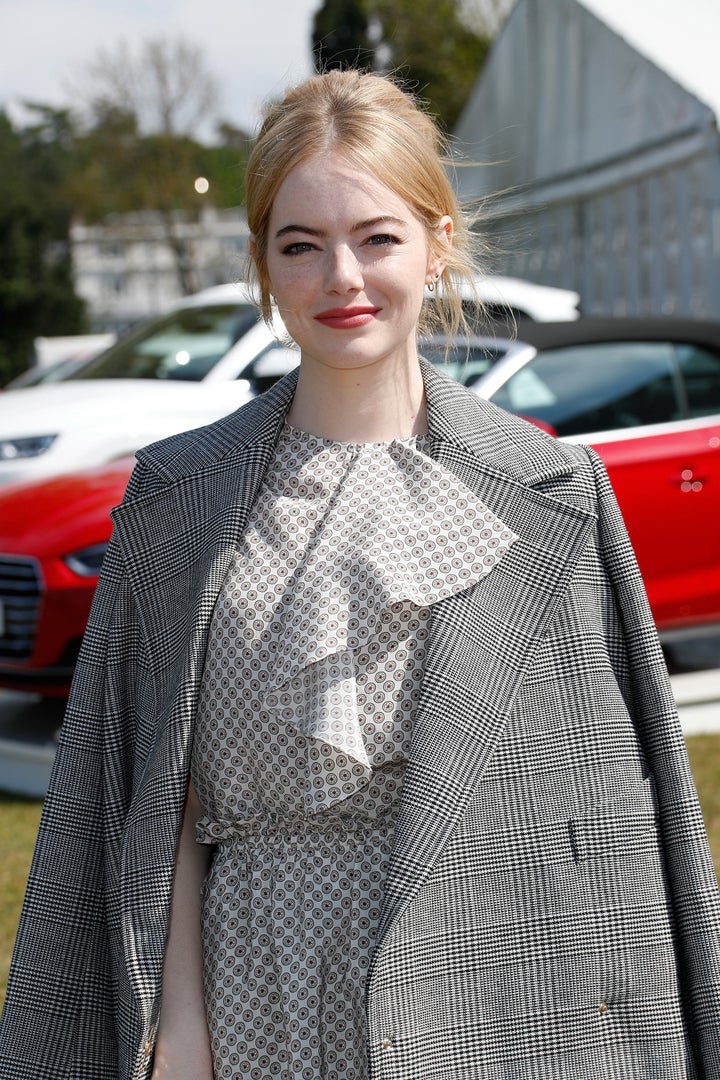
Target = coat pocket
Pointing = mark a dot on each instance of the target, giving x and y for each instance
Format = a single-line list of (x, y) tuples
[(617, 828)]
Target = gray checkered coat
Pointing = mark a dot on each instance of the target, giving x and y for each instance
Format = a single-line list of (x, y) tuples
[(551, 910)]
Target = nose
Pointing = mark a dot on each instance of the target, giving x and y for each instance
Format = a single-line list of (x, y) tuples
[(344, 273)]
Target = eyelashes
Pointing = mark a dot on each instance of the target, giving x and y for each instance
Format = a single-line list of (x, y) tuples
[(301, 247), (298, 248), (382, 239)]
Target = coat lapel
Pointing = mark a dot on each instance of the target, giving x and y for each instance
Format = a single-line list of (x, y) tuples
[(178, 540), (481, 642)]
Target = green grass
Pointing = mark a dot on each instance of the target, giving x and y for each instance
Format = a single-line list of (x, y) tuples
[(19, 819), (704, 753)]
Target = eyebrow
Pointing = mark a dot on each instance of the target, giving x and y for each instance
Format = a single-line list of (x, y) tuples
[(369, 223)]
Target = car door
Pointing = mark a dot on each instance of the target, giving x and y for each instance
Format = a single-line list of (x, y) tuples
[(652, 412), (667, 487)]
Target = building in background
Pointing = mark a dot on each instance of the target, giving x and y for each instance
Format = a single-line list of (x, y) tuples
[(125, 268), (602, 174)]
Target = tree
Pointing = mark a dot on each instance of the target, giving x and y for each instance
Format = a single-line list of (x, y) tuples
[(37, 294), (165, 85), (341, 35), (139, 151), (132, 147), (436, 46), (432, 46)]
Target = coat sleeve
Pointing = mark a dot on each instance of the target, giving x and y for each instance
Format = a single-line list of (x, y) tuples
[(60, 1011), (691, 879)]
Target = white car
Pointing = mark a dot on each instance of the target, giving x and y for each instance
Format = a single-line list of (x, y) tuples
[(506, 299), (53, 350), (190, 367)]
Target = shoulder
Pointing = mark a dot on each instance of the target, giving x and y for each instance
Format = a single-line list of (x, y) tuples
[(255, 424), (506, 443)]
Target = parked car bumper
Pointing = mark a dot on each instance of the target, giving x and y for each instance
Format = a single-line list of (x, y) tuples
[(44, 613)]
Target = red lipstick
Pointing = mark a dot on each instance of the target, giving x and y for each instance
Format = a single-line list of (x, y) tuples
[(347, 318)]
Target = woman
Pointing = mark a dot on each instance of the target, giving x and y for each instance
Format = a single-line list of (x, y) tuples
[(371, 766)]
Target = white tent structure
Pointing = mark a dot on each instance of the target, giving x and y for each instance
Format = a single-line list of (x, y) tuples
[(601, 173)]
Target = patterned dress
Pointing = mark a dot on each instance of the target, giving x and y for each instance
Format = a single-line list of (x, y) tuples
[(311, 682)]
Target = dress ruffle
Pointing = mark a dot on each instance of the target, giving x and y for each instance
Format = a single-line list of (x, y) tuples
[(398, 529)]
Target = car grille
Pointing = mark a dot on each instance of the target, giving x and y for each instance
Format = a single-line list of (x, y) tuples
[(20, 601)]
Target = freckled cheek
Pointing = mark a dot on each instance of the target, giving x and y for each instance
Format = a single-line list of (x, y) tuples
[(292, 289)]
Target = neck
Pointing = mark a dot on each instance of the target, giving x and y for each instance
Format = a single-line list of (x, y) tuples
[(377, 403)]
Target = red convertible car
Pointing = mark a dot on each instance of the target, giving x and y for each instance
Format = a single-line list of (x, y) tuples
[(644, 393)]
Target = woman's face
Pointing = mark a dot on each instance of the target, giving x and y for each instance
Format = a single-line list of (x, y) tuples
[(348, 262)]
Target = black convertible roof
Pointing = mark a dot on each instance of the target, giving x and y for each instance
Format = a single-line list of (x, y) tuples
[(550, 335)]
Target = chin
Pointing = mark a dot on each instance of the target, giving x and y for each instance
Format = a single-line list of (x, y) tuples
[(358, 355)]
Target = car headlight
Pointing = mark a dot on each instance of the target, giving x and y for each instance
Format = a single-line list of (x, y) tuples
[(30, 446), (87, 562)]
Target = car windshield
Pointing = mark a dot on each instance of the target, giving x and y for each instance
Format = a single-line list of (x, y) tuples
[(58, 372), (183, 345), (463, 361)]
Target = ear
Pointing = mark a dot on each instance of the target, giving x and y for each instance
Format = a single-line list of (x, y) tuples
[(443, 238)]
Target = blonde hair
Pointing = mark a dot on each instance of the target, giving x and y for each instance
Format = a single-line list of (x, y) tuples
[(380, 129)]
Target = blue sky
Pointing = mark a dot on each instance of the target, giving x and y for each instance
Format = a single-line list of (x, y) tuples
[(255, 47)]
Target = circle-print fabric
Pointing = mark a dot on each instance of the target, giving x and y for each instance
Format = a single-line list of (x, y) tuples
[(311, 682)]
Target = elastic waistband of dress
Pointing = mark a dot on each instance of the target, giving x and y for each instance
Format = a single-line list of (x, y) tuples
[(286, 828)]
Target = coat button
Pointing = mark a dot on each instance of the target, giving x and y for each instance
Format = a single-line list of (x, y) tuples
[(603, 1007), (387, 1044)]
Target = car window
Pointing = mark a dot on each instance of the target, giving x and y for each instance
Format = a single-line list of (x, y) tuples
[(464, 365), (597, 387), (183, 345), (264, 370), (701, 377)]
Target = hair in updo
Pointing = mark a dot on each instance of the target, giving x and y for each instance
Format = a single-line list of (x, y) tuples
[(378, 128)]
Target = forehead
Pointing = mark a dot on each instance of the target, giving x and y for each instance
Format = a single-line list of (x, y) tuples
[(333, 188)]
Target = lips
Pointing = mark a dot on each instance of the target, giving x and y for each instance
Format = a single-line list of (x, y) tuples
[(348, 318)]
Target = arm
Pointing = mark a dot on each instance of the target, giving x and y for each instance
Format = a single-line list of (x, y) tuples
[(183, 1044), (692, 884)]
